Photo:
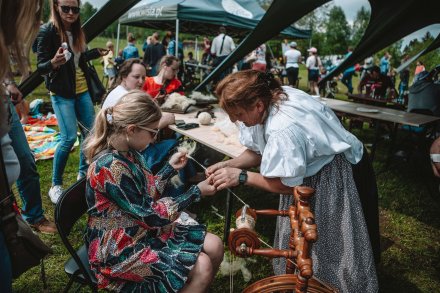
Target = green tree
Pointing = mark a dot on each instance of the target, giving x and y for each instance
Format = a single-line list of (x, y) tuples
[(431, 59), (360, 25), (337, 32), (87, 10)]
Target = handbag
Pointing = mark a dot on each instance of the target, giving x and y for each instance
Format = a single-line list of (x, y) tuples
[(26, 250), (96, 88)]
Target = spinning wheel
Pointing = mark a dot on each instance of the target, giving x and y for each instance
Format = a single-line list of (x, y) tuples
[(244, 242)]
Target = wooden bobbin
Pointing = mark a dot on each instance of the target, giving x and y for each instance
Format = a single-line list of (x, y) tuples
[(244, 236)]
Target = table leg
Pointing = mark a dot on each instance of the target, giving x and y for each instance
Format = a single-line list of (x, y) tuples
[(376, 139), (229, 203)]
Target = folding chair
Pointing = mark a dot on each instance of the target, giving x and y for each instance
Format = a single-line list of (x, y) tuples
[(70, 207)]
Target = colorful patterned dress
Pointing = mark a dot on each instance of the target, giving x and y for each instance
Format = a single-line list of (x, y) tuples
[(134, 242)]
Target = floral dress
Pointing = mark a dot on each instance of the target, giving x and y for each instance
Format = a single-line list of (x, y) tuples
[(135, 243)]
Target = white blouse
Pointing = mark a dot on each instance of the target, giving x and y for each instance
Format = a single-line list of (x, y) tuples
[(298, 138)]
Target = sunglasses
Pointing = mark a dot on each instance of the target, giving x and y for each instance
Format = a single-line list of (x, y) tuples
[(153, 132), (66, 9)]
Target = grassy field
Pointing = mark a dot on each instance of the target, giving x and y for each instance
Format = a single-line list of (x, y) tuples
[(409, 220)]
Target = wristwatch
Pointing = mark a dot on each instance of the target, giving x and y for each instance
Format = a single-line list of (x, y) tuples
[(242, 178)]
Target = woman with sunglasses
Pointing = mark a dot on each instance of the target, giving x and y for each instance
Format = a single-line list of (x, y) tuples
[(138, 238), (62, 60)]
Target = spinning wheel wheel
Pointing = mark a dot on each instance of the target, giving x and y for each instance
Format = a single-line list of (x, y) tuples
[(244, 242)]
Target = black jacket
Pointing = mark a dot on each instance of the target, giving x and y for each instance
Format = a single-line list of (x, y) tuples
[(60, 81)]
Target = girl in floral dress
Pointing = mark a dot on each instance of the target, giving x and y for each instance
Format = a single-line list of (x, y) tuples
[(138, 240)]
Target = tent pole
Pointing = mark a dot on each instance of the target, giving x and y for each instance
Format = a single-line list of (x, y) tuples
[(117, 39), (177, 38), (196, 49)]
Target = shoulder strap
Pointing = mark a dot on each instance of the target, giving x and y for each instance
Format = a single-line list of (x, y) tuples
[(223, 41)]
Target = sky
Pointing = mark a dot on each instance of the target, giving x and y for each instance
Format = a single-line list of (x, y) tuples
[(350, 8)]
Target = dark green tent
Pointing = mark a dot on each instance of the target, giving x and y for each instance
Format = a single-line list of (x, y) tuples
[(202, 16)]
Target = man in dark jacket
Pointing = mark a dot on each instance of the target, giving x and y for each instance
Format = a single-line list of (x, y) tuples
[(154, 52)]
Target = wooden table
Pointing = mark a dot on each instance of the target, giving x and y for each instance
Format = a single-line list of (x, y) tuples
[(206, 136), (382, 115)]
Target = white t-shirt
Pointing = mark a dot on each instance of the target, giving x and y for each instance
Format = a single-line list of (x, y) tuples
[(311, 62), (292, 58), (114, 96), (298, 138), (228, 45)]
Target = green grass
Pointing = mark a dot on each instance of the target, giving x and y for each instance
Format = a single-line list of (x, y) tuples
[(409, 221)]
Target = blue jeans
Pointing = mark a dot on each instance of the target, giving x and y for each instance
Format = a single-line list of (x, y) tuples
[(68, 112), (403, 86), (346, 80), (28, 183), (5, 267)]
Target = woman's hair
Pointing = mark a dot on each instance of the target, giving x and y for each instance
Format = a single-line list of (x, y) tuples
[(167, 60), (79, 38), (124, 70), (244, 88), (109, 44), (136, 107), (19, 24), (131, 38)]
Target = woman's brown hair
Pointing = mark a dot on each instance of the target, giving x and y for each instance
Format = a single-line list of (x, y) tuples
[(242, 89), (79, 38), (124, 70)]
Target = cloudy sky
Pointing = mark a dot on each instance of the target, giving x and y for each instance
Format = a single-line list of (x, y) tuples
[(350, 8)]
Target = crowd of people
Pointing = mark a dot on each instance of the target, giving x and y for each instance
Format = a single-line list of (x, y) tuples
[(139, 236)]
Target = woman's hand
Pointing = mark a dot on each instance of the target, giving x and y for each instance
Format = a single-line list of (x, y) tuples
[(225, 178), (178, 160), (206, 187), (102, 51), (58, 59), (211, 169)]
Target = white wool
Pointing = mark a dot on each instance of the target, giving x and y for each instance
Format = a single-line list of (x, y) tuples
[(226, 126), (177, 101), (175, 181), (198, 96), (239, 264), (204, 118), (187, 147)]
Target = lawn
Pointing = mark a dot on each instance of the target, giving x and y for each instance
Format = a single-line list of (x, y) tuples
[(409, 203)]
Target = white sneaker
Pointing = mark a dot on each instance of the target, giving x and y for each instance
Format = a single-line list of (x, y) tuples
[(55, 193)]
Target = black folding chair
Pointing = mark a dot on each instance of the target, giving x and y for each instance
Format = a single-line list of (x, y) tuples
[(70, 207)]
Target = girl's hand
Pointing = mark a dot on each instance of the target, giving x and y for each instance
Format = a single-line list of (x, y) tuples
[(206, 187), (211, 169), (178, 160)]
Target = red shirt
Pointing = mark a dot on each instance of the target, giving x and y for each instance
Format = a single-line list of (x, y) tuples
[(152, 88)]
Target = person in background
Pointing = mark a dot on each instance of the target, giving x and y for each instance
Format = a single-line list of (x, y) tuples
[(292, 59), (130, 51), (285, 45), (206, 57), (313, 63), (322, 155), (347, 76), (172, 51), (419, 68), (165, 82), (109, 64), (404, 82), (368, 64), (62, 58), (385, 63), (167, 39), (17, 30), (154, 52), (375, 83), (221, 47), (260, 63), (162, 249), (146, 43), (119, 60)]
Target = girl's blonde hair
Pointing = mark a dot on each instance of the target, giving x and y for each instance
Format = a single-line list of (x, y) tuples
[(19, 24), (79, 38), (134, 108)]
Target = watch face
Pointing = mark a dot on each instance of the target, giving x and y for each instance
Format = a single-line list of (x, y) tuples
[(243, 177)]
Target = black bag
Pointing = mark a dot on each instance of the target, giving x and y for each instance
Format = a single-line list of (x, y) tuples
[(96, 88), (26, 250)]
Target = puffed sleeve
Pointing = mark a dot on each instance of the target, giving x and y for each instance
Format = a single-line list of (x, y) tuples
[(285, 157), (129, 189), (248, 138)]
